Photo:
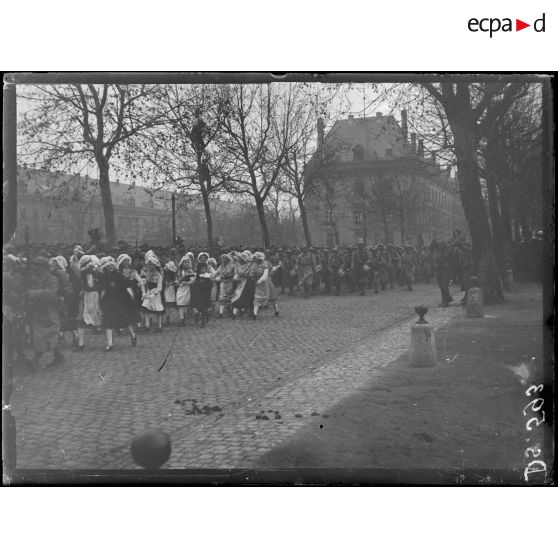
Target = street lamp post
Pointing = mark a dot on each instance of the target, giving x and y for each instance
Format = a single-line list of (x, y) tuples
[(173, 219)]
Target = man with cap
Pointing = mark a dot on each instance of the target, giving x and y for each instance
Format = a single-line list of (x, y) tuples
[(349, 276), (360, 265), (382, 257), (336, 263)]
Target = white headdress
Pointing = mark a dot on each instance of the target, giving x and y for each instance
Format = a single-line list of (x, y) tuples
[(123, 259), (106, 262), (86, 260), (61, 262)]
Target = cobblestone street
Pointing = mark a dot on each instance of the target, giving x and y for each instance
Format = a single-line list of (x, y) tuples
[(226, 394)]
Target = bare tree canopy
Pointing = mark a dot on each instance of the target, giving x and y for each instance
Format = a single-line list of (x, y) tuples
[(73, 127)]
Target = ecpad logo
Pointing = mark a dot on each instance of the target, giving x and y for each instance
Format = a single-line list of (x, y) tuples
[(494, 24)]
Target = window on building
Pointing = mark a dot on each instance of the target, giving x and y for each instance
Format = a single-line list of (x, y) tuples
[(357, 217), (132, 201), (389, 153)]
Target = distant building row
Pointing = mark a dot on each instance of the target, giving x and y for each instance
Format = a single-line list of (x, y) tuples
[(58, 207)]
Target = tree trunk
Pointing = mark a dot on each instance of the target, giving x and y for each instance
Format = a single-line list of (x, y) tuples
[(106, 199), (263, 223), (402, 223), (495, 219), (475, 212), (386, 229), (304, 219), (208, 217), (204, 175), (507, 233)]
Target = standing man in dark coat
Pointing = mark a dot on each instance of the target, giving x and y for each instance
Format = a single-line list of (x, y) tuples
[(360, 266), (335, 264), (444, 271)]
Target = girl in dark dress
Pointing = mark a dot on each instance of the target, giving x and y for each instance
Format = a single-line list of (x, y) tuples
[(243, 297), (169, 288), (201, 294), (117, 305), (134, 282)]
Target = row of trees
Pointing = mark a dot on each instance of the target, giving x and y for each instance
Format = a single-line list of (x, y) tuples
[(250, 141), (256, 141)]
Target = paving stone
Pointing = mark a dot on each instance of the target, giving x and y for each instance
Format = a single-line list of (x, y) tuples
[(320, 351)]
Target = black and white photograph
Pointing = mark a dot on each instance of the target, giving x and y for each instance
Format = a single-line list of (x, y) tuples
[(278, 278)]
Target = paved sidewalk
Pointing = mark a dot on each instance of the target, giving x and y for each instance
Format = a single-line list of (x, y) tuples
[(466, 413)]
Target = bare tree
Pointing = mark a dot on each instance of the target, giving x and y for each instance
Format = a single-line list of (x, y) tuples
[(257, 124), (510, 167), (309, 157), (73, 126), (181, 152), (471, 111)]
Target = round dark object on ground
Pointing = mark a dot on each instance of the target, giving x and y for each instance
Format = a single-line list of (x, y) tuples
[(151, 449)]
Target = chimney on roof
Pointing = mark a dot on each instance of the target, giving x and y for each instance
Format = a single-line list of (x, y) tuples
[(404, 126), (351, 116), (413, 142), (378, 114), (433, 157), (320, 133), (420, 151)]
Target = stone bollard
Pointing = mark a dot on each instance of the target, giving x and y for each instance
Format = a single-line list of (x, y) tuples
[(474, 307), (423, 345)]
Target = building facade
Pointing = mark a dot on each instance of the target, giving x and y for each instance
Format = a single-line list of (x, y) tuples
[(376, 185), (61, 208), (58, 207)]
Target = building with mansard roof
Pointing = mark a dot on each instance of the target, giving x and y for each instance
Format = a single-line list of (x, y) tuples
[(372, 182)]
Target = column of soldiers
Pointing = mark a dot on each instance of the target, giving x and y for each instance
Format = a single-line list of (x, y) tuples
[(71, 289)]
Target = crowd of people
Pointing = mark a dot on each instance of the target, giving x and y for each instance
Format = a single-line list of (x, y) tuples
[(73, 290)]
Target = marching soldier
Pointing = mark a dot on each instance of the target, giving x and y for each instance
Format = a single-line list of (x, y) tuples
[(408, 265), (360, 266), (336, 264)]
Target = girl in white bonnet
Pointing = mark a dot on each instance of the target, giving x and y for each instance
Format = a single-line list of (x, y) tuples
[(152, 303)]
